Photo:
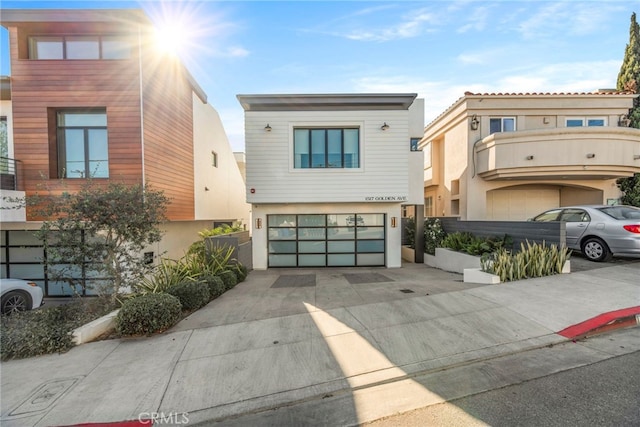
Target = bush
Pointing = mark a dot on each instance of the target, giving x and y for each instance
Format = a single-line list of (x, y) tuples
[(533, 260), (148, 314), (228, 278), (474, 245), (48, 330), (433, 235), (192, 294), (215, 285)]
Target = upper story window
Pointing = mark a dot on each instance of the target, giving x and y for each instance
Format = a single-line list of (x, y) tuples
[(83, 149), (78, 47), (585, 121), (502, 124), (326, 148), (214, 159)]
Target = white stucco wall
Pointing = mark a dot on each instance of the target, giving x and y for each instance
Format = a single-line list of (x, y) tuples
[(220, 192)]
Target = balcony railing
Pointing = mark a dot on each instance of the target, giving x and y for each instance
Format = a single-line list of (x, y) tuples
[(8, 174)]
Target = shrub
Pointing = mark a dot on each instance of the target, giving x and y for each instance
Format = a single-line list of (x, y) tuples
[(533, 260), (410, 232), (228, 278), (215, 285), (48, 330), (147, 314), (192, 294), (433, 235), (218, 231), (474, 245)]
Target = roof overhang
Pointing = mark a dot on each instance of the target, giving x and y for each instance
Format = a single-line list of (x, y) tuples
[(327, 102), (18, 16)]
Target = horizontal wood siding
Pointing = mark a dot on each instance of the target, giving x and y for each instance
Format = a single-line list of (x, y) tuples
[(39, 85), (383, 158), (168, 135)]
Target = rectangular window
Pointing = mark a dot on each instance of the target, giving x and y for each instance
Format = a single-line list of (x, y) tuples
[(82, 144), (585, 121), (502, 124), (326, 148), (78, 47), (214, 159)]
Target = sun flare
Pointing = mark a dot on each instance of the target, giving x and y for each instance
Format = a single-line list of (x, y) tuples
[(172, 37)]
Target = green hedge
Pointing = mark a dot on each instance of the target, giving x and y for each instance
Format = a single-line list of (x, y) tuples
[(192, 294), (228, 278), (147, 314), (215, 285)]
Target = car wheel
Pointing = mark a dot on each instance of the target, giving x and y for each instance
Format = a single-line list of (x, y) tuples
[(596, 250), (15, 301)]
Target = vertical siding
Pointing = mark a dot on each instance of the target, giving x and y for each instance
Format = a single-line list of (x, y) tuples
[(168, 134), (39, 85), (383, 158)]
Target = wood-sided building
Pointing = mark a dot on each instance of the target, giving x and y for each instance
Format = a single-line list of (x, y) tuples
[(93, 97)]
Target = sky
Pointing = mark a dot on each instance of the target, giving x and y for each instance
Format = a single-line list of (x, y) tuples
[(437, 49)]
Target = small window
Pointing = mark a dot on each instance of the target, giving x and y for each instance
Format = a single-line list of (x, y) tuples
[(47, 48), (214, 159), (83, 149), (585, 121), (413, 144), (502, 124), (78, 47), (326, 148)]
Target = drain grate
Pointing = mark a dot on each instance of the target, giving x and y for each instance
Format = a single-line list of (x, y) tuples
[(407, 291), (358, 278), (295, 281)]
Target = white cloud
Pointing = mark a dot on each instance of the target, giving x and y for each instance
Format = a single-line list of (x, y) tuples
[(412, 25)]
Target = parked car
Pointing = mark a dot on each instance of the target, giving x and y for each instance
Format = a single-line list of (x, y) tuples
[(599, 231), (19, 295)]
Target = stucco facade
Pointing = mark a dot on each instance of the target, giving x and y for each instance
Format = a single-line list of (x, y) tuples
[(511, 156)]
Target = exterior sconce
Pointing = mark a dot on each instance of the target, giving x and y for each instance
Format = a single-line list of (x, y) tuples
[(258, 223), (624, 121), (267, 128), (590, 155), (530, 157), (475, 123), (394, 222), (206, 188), (385, 126)]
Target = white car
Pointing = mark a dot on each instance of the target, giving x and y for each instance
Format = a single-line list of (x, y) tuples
[(19, 295)]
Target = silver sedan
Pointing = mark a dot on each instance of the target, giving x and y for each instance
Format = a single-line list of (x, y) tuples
[(599, 231)]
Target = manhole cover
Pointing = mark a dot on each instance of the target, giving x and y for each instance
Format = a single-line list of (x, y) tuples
[(295, 281)]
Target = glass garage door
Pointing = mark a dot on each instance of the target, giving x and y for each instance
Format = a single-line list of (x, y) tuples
[(320, 240)]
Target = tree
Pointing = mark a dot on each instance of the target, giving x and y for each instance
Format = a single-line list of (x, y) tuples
[(100, 232), (629, 80)]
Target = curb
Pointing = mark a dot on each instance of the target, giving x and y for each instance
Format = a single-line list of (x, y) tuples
[(604, 322)]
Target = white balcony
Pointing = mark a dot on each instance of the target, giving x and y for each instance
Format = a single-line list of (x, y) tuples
[(560, 153)]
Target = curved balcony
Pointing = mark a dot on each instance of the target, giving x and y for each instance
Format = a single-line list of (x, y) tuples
[(560, 153)]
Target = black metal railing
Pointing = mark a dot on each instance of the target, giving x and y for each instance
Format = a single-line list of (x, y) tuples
[(8, 174)]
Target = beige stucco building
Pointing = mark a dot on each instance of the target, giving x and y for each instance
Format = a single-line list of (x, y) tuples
[(511, 156)]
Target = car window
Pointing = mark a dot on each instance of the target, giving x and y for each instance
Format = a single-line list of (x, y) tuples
[(575, 215), (551, 215), (621, 212)]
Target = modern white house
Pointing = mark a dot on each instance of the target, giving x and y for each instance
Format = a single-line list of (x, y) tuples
[(327, 175), (511, 156)]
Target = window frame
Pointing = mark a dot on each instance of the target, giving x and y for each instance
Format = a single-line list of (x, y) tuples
[(214, 159), (64, 39), (310, 146), (585, 121), (61, 142), (502, 120)]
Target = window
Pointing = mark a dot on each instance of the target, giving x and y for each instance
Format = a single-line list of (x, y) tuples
[(82, 144), (502, 124), (214, 159), (413, 143), (78, 47), (326, 148), (585, 121)]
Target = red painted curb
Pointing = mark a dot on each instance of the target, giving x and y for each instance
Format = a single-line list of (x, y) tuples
[(599, 321)]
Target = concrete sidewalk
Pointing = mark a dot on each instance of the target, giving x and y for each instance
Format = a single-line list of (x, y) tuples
[(360, 338)]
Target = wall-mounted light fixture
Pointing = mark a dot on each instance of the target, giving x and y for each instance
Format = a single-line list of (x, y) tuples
[(206, 188), (267, 128), (545, 120), (590, 155), (475, 123), (258, 223), (394, 222), (385, 126), (529, 157), (624, 121)]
